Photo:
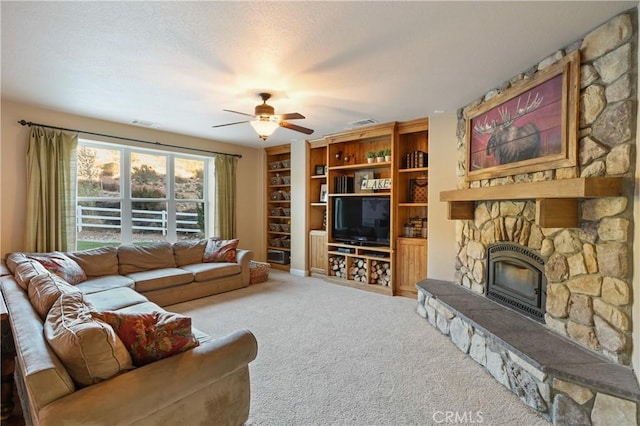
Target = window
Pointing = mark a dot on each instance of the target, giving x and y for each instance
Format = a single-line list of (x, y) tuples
[(131, 195)]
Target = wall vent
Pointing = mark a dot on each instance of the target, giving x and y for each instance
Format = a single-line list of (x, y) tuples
[(363, 122), (144, 123)]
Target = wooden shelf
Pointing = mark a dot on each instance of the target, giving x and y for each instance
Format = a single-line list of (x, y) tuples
[(279, 170), (318, 204), (361, 166), (279, 248), (318, 177), (361, 194), (556, 201), (413, 204), (415, 169)]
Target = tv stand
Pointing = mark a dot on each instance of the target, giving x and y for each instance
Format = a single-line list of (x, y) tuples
[(356, 264)]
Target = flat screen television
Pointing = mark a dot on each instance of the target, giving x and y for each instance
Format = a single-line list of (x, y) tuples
[(361, 220)]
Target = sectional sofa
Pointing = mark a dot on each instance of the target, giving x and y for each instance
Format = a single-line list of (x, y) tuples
[(75, 363)]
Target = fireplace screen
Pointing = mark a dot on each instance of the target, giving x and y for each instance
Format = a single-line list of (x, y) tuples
[(515, 278)]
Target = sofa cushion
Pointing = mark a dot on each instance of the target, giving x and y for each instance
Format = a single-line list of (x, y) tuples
[(90, 349), (96, 284), (152, 336), (60, 264), (146, 257), (98, 261), (114, 299), (220, 250), (189, 252), (160, 278), (45, 289), (210, 271), (27, 271)]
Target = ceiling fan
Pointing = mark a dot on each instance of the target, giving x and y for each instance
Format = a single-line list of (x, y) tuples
[(265, 121)]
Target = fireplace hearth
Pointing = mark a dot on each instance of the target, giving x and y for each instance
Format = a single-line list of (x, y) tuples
[(516, 279)]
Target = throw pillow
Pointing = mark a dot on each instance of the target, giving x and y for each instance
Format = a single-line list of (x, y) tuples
[(220, 250), (89, 349), (151, 336), (45, 289), (62, 265)]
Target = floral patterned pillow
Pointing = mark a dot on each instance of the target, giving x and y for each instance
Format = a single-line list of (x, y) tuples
[(150, 336), (61, 265), (220, 250)]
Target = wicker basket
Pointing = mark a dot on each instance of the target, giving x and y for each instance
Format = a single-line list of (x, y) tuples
[(259, 272)]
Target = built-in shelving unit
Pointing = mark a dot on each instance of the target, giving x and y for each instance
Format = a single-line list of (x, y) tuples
[(411, 177), (368, 267), (278, 190), (392, 266), (317, 206)]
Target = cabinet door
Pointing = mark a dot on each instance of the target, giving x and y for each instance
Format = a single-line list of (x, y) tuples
[(411, 264), (318, 252)]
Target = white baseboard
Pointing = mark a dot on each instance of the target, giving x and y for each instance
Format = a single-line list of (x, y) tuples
[(299, 272)]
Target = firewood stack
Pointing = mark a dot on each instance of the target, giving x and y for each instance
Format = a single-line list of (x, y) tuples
[(358, 270), (380, 273), (338, 266)]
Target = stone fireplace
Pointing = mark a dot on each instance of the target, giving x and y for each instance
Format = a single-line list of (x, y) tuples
[(515, 278), (586, 267), (575, 281)]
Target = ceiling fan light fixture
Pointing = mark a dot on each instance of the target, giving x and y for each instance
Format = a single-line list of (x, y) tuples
[(265, 126)]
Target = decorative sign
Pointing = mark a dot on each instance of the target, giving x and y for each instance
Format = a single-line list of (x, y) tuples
[(376, 184)]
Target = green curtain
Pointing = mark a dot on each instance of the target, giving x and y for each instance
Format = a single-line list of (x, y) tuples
[(225, 196), (51, 190)]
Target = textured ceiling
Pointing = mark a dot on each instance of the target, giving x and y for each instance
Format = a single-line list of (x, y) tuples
[(178, 64)]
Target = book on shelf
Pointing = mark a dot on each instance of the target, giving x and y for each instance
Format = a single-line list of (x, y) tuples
[(417, 159), (343, 184)]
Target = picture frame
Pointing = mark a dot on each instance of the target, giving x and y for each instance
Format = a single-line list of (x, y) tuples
[(320, 170), (359, 177), (324, 193), (529, 127)]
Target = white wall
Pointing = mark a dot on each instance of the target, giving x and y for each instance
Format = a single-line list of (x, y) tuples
[(299, 243), (442, 177), (13, 152)]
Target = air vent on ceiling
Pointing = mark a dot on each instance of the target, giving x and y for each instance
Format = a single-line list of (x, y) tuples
[(363, 122), (144, 123)]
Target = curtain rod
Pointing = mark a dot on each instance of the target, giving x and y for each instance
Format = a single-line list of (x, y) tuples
[(29, 123)]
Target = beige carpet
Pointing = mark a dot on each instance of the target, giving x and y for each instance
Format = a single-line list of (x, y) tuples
[(329, 354)]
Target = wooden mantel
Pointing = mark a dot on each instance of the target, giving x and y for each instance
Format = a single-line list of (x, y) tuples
[(556, 200)]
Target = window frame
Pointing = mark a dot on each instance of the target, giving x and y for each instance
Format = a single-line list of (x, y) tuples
[(126, 200)]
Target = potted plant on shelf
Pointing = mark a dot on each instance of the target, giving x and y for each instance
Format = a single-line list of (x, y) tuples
[(380, 156), (387, 154), (370, 156)]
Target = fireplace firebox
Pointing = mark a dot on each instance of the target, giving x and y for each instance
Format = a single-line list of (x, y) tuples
[(515, 278)]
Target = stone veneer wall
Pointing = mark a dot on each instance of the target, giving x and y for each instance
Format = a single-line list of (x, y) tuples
[(588, 269)]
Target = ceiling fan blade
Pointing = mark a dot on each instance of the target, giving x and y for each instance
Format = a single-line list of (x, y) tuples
[(230, 124), (291, 116), (296, 128), (237, 112)]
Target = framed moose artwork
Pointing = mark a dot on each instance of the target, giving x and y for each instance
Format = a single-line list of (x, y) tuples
[(529, 127)]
